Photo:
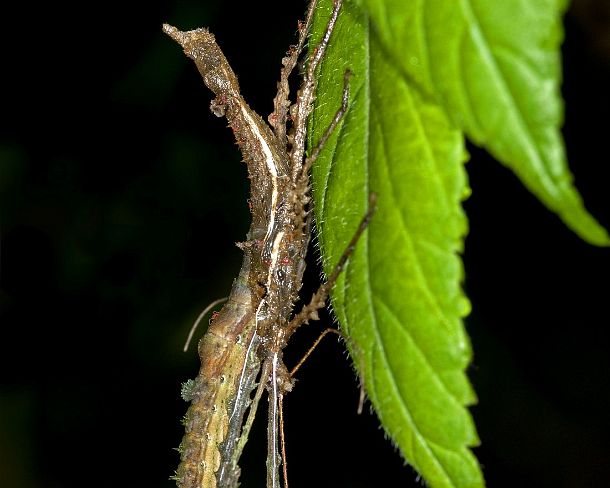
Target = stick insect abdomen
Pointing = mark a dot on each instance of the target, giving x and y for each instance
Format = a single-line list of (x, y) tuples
[(229, 366)]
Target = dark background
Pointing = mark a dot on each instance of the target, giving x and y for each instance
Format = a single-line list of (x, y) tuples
[(121, 196)]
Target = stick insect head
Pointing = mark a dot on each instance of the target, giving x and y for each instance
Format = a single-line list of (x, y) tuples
[(200, 45)]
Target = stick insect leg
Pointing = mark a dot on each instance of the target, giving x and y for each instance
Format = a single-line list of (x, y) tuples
[(283, 440), (312, 348), (281, 104), (252, 413), (281, 400), (318, 300), (318, 52), (292, 372), (274, 458), (303, 106), (362, 395), (331, 128)]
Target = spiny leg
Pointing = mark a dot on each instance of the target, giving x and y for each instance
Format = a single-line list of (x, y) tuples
[(310, 311), (274, 458), (281, 103), (318, 52), (318, 300), (331, 128), (304, 178), (302, 107), (300, 112), (276, 396)]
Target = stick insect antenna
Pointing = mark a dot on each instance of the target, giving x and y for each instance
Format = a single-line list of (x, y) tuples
[(199, 319)]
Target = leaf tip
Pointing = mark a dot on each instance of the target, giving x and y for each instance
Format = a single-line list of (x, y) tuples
[(587, 227)]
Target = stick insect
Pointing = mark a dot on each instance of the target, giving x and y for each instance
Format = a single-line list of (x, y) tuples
[(248, 335)]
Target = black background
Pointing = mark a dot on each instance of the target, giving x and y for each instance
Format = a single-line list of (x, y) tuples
[(121, 196)]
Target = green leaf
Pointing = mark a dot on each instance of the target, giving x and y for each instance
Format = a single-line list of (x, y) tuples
[(495, 66), (399, 299)]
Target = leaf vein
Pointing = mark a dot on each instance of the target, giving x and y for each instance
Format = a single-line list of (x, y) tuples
[(392, 379), (426, 288), (408, 334), (504, 91)]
